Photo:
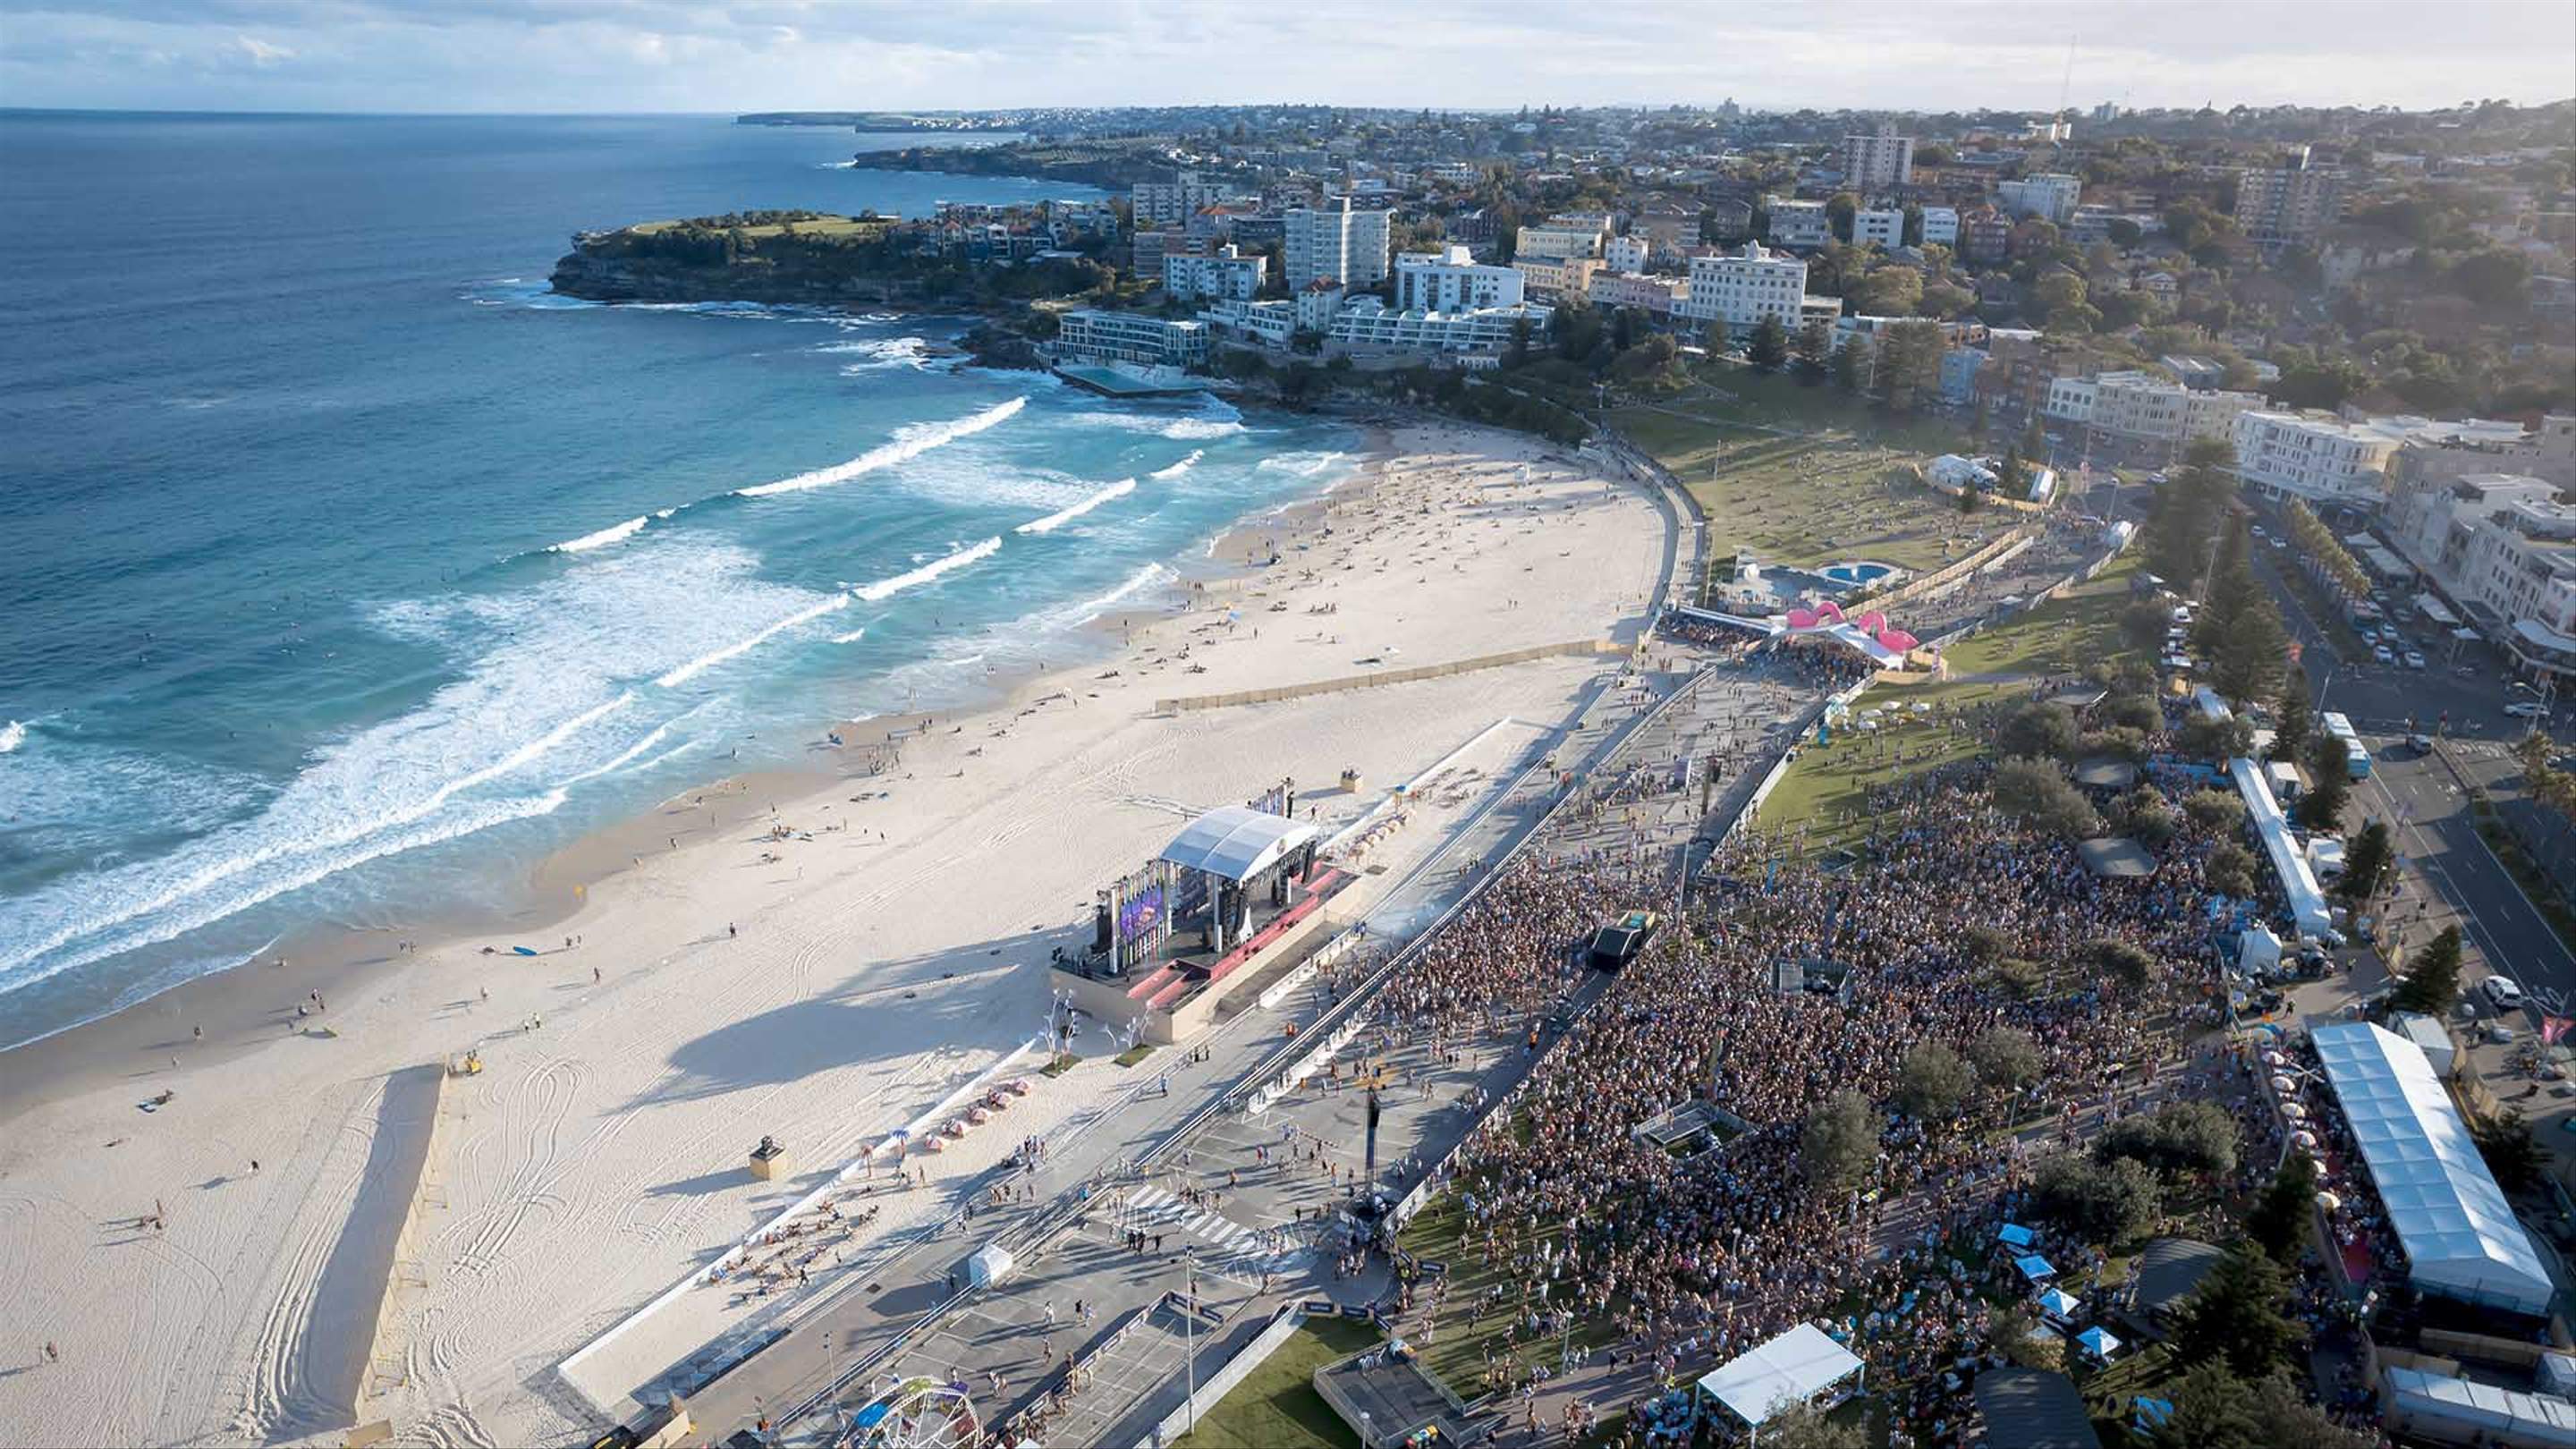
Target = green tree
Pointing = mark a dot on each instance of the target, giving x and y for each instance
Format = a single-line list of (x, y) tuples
[(2124, 964), (2432, 984), (2278, 1222), (2215, 812), (2234, 1317), (2040, 728), (2005, 1057), (1814, 347), (1769, 348), (1517, 352), (2291, 715), (2214, 1409), (1851, 364), (1804, 1426), (1839, 209), (2491, 278), (1890, 291), (2367, 865), (1839, 1142), (1933, 1081), (2124, 233), (2504, 1139), (1909, 363), (2329, 785), (2037, 793), (2177, 1140), (2107, 1203), (2230, 870)]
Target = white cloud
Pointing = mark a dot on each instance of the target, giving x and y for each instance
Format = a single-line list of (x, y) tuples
[(634, 55)]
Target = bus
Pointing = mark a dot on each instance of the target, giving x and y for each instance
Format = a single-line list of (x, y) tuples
[(2355, 756)]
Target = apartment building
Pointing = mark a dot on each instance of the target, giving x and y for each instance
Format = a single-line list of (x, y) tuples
[(1091, 335), (1742, 287), (1662, 296), (2504, 549), (2440, 452), (1226, 274), (1941, 226), (1626, 253), (1337, 241), (1557, 277), (1367, 322), (2048, 195), (1452, 280), (2288, 205), (1799, 224), (1875, 163), (1172, 203), (2314, 456), (1561, 239), (1985, 235), (1883, 227), (2142, 407)]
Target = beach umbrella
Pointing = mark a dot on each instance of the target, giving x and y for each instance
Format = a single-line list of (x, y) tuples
[(2330, 1202), (2306, 1139), (1921, 708), (2284, 1085), (2293, 1110)]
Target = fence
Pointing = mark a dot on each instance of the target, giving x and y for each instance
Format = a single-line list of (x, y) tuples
[(1341, 682), (1290, 1318)]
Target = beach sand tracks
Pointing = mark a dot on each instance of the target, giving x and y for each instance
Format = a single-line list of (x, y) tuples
[(533, 1119)]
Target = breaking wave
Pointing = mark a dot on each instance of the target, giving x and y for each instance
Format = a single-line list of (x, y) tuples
[(1063, 516), (909, 442)]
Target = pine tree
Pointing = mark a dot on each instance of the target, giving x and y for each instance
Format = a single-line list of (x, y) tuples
[(2291, 715), (1851, 364), (2329, 785), (2252, 652), (2432, 984), (2235, 1316), (1770, 345), (2366, 865), (1815, 349), (2278, 1222)]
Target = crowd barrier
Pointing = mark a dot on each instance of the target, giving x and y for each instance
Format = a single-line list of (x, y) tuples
[(1409, 675)]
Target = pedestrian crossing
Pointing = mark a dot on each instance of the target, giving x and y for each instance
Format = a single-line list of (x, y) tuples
[(1244, 1253)]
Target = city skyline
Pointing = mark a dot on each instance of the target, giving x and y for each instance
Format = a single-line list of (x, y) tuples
[(529, 56)]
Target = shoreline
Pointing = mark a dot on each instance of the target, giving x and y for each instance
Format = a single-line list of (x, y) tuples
[(352, 961)]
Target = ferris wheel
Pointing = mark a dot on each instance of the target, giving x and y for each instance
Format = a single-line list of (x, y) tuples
[(914, 1413)]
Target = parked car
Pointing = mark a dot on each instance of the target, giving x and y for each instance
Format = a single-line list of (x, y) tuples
[(2502, 992), (2526, 709), (2420, 744), (2380, 653), (2414, 659)]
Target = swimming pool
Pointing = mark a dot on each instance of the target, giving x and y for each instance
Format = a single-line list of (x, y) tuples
[(1859, 574)]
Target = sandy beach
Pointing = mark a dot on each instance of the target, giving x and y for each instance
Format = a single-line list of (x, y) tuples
[(821, 958)]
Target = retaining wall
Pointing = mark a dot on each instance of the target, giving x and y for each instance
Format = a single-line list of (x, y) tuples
[(1339, 683)]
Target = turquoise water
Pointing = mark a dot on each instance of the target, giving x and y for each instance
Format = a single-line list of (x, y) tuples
[(350, 571)]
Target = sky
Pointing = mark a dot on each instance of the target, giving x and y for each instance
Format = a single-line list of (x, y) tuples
[(741, 55)]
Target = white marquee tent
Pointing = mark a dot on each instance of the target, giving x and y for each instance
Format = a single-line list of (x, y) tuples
[(1237, 843), (2461, 1238), (1788, 1370)]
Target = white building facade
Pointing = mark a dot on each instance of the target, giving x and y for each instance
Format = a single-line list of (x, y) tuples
[(1799, 224), (1172, 203), (2048, 195), (1559, 241), (1453, 281), (2313, 456), (1885, 227), (2503, 547), (1367, 322), (1662, 296), (1876, 162), (1339, 242), (1742, 287), (1626, 253), (1227, 275), (1089, 334), (1941, 226)]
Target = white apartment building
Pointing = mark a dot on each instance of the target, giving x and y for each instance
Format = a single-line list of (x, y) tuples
[(2143, 407), (1662, 296), (2048, 195), (1226, 275), (1941, 226), (1875, 163), (1626, 253), (1742, 287), (2439, 452), (1089, 334), (1367, 322), (2315, 456), (1799, 224), (1561, 277), (2504, 549), (1273, 324), (1452, 281), (2282, 205), (1172, 203), (1557, 241), (1338, 242), (1884, 227)]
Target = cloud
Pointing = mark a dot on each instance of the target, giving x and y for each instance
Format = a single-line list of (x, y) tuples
[(662, 55)]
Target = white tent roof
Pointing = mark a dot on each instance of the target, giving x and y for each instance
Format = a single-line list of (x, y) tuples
[(2298, 883), (1790, 1369), (2502, 1414), (2461, 1238), (1236, 842)]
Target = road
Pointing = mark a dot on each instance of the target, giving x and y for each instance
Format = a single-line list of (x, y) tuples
[(2422, 796)]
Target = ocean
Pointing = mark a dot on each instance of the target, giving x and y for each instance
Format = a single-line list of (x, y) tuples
[(349, 572)]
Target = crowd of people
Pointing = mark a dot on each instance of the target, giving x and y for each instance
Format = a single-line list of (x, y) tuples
[(1582, 1231)]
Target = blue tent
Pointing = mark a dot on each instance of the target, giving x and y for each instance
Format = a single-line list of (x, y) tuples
[(2099, 1342), (2151, 1413), (2058, 1303), (2034, 1267), (2017, 1235)]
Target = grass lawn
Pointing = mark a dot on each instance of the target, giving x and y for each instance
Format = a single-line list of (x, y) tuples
[(1801, 497), (1456, 1354), (1828, 788), (1276, 1407), (825, 226)]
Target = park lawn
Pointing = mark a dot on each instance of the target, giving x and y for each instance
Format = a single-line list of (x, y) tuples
[(829, 226), (1276, 1406), (1734, 392), (1804, 499), (1827, 789), (1455, 1354)]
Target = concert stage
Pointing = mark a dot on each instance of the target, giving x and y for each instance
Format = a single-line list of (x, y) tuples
[(1236, 892)]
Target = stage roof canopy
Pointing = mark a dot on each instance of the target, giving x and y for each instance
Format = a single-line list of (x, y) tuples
[(2462, 1239), (1790, 1369), (1237, 842)]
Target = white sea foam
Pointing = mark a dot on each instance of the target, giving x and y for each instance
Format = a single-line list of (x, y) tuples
[(714, 657), (1181, 467), (605, 536), (1304, 465), (1184, 429), (880, 353), (887, 588), (1074, 616), (1063, 516), (12, 737), (909, 442), (853, 637)]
